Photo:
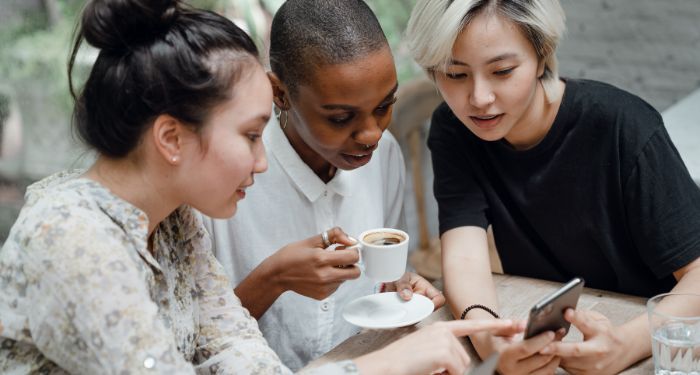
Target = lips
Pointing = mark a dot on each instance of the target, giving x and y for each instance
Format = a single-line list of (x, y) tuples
[(357, 159), (485, 117), (240, 193), (486, 121)]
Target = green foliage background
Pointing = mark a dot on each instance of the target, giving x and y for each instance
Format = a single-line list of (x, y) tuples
[(393, 16), (33, 50)]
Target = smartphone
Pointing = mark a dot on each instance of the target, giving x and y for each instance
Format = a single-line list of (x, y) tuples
[(548, 314)]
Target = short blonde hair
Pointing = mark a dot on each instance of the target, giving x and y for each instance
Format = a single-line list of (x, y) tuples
[(435, 25)]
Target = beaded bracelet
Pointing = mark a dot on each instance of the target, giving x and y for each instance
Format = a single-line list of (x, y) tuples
[(478, 306)]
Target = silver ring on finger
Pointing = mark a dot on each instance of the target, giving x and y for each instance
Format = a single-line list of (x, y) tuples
[(326, 241)]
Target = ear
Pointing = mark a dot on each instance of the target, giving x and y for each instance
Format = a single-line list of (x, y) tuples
[(540, 67), (279, 92), (168, 137)]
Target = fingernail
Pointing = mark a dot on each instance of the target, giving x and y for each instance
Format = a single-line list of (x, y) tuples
[(406, 293), (546, 350)]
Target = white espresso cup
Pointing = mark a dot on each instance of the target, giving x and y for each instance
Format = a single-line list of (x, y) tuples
[(383, 252)]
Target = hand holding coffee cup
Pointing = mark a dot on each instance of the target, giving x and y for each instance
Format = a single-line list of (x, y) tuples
[(384, 252)]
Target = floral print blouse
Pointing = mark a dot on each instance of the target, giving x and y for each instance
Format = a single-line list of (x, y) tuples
[(81, 293)]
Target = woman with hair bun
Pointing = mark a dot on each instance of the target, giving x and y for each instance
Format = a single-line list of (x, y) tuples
[(109, 270)]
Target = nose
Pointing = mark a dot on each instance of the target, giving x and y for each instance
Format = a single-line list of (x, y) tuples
[(260, 165), (481, 94), (372, 129)]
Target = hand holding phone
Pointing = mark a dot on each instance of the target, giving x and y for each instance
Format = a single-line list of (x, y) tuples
[(548, 313)]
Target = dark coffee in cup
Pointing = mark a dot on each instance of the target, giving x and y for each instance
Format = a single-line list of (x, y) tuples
[(383, 238), (384, 252)]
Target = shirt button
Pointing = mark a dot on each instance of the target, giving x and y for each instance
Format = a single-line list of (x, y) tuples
[(325, 193), (325, 306), (149, 363)]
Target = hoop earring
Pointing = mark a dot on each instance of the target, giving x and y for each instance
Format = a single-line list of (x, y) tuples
[(286, 118)]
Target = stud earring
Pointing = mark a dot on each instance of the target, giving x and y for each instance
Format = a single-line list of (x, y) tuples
[(174, 159)]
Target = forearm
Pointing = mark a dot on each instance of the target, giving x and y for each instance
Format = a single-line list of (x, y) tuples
[(259, 290), (468, 280), (372, 363), (467, 285), (637, 331)]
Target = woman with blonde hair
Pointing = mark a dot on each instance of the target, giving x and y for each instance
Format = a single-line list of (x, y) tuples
[(577, 178)]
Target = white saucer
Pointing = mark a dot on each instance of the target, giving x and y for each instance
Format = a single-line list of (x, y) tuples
[(387, 310)]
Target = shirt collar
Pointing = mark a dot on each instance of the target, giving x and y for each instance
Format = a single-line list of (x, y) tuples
[(131, 219), (300, 173)]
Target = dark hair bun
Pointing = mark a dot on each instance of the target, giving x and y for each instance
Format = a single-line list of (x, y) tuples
[(121, 24)]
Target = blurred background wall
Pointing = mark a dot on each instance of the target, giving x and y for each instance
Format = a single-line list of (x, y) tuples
[(648, 47)]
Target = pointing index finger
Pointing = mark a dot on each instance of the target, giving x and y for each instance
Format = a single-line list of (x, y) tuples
[(467, 327)]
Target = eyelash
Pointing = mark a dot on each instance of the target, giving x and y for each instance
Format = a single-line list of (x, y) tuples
[(253, 137), (340, 121), (385, 107), (457, 76), (382, 109), (504, 72)]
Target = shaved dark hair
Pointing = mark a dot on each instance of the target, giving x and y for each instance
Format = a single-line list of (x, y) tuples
[(307, 34)]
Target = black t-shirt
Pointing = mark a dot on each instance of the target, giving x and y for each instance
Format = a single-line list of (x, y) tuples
[(604, 196)]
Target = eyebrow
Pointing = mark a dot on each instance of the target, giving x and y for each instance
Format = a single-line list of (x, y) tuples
[(348, 107), (502, 57), (263, 119)]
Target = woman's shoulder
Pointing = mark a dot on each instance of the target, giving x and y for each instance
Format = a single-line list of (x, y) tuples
[(65, 210), (601, 110), (63, 194), (602, 98), (66, 236)]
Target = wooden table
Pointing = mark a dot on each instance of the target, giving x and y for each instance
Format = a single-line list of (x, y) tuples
[(516, 297)]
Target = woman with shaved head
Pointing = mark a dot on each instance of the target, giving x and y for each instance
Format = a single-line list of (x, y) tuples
[(331, 165)]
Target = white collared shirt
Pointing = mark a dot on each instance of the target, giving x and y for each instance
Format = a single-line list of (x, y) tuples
[(289, 203)]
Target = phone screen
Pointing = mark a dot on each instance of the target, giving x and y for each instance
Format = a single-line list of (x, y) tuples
[(548, 314)]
